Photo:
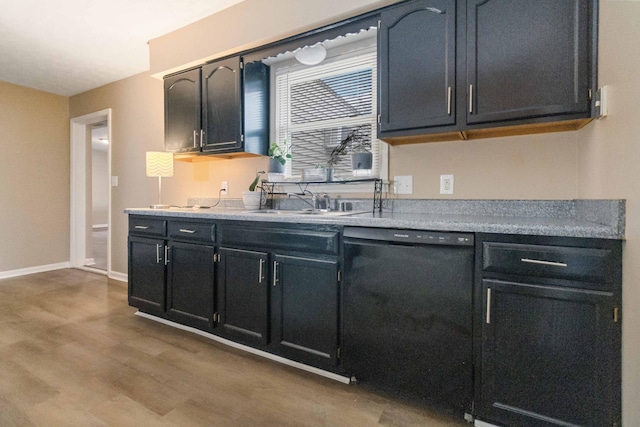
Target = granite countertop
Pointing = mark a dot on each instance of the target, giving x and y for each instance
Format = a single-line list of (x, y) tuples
[(567, 218)]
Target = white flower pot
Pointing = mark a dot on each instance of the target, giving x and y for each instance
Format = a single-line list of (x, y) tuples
[(253, 199)]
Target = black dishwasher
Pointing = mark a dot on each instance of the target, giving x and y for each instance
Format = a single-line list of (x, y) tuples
[(408, 314)]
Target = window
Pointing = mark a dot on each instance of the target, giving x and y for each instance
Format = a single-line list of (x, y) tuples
[(317, 107)]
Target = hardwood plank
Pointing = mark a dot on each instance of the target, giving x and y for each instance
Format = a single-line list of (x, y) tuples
[(72, 352)]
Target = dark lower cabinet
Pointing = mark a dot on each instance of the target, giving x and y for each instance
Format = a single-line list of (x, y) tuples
[(243, 295), (549, 349), (276, 297), (147, 276), (190, 284), (305, 309), (547, 355)]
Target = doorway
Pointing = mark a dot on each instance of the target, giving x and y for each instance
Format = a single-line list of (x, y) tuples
[(91, 192)]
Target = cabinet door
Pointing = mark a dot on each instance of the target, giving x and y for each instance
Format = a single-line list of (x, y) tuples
[(547, 355), (416, 56), (147, 274), (527, 59), (190, 297), (243, 295), (305, 309), (182, 112), (221, 106)]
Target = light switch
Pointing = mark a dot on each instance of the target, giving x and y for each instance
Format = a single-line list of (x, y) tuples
[(403, 184), (114, 181)]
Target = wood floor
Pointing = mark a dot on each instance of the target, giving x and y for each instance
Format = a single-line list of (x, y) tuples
[(72, 353)]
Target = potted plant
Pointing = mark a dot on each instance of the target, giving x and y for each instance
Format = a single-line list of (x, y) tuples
[(360, 148), (358, 145), (254, 197), (278, 156)]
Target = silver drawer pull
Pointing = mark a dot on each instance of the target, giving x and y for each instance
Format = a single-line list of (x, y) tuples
[(488, 306), (275, 273), (186, 230), (260, 272), (541, 262), (142, 227)]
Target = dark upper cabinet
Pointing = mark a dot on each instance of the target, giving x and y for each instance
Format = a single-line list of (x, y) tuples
[(243, 291), (222, 105), (417, 61), (527, 59), (220, 108), (464, 69), (182, 112)]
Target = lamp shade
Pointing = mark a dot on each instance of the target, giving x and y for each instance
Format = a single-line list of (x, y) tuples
[(159, 163)]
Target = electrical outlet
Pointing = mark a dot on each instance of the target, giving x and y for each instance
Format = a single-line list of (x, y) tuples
[(224, 188), (446, 184), (114, 181), (403, 184)]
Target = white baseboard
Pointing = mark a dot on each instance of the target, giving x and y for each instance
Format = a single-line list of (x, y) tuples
[(94, 226), (301, 366), (118, 276), (32, 270)]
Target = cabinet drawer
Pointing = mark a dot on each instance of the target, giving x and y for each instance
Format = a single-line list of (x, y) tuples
[(559, 262), (326, 242), (147, 226), (192, 231)]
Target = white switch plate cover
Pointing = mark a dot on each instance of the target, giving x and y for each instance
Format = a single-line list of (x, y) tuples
[(114, 181), (403, 184), (446, 184)]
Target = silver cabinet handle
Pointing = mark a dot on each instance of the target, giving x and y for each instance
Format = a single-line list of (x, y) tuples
[(260, 272), (186, 230), (166, 255), (142, 227), (275, 273), (542, 262), (158, 259), (195, 143), (449, 100), (471, 98), (201, 138), (488, 305)]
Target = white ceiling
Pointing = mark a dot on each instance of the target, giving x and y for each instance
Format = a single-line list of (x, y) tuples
[(67, 47)]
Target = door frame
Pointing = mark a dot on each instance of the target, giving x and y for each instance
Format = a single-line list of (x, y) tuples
[(79, 127)]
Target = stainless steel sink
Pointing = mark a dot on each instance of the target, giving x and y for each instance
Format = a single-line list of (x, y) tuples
[(315, 212)]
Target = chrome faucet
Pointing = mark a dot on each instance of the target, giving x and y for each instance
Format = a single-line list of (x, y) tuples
[(314, 200), (327, 201)]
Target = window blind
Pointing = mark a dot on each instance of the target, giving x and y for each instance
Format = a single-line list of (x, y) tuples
[(319, 106)]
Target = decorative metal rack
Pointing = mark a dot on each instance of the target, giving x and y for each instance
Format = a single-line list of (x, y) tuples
[(269, 188)]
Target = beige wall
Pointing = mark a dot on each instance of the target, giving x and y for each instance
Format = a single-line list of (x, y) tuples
[(34, 178), (595, 162), (609, 167), (246, 25)]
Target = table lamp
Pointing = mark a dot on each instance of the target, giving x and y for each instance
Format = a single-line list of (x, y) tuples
[(160, 164)]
